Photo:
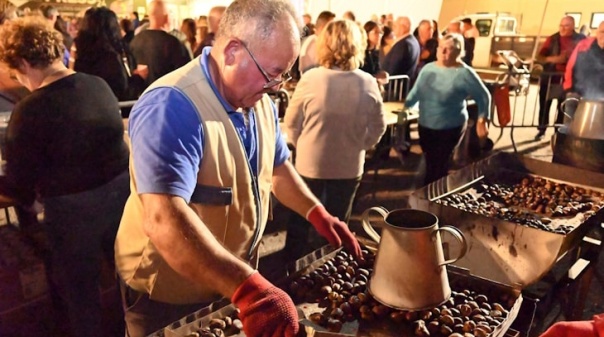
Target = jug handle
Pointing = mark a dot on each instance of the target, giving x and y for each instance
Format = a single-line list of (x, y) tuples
[(563, 106), (457, 234), (368, 227)]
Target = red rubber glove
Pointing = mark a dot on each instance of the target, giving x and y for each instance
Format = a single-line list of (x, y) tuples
[(335, 231), (264, 309), (571, 329)]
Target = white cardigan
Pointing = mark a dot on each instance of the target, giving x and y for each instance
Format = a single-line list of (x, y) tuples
[(332, 118)]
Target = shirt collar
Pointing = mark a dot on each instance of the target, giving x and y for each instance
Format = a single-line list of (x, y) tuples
[(204, 61)]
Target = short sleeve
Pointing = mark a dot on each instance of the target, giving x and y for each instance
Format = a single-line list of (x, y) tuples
[(167, 143)]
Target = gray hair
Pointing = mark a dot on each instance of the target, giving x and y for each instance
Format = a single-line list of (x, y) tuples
[(458, 42), (256, 20)]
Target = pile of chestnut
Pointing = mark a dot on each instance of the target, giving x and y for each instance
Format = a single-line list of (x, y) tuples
[(339, 286), (530, 202)]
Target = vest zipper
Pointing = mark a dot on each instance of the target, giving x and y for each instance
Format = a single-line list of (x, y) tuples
[(255, 189)]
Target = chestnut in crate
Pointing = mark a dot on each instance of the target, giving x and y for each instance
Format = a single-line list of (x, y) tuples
[(467, 313)]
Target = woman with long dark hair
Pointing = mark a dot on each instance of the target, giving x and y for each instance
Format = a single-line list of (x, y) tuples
[(371, 64), (101, 52)]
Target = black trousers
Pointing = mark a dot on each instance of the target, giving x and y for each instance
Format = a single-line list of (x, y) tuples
[(438, 146), (337, 196), (81, 228), (550, 88)]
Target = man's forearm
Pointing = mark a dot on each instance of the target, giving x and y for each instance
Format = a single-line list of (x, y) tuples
[(189, 247), (290, 189)]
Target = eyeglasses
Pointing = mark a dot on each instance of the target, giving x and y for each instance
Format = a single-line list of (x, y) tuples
[(286, 76)]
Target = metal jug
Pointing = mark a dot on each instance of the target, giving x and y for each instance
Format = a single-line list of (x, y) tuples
[(587, 121), (409, 271)]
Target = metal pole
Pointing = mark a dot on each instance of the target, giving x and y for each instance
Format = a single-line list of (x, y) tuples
[(534, 55)]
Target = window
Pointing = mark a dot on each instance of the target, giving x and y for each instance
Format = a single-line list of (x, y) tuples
[(505, 26), (484, 26), (596, 18)]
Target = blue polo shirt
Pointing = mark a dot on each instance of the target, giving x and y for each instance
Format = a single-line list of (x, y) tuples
[(167, 139)]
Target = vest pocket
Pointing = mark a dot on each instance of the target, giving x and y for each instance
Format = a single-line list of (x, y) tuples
[(212, 195)]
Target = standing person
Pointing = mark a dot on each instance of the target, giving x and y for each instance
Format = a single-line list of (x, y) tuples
[(554, 55), (585, 69), (371, 63), (428, 44), (135, 20), (436, 33), (156, 48), (127, 30), (468, 54), (214, 18), (404, 55), (470, 34), (308, 51), (308, 29), (334, 116), (51, 14), (386, 44), (101, 52), (189, 29), (207, 152), (441, 90), (65, 148), (349, 15)]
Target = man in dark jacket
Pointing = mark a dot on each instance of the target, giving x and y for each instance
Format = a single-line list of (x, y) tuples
[(404, 55), (554, 55)]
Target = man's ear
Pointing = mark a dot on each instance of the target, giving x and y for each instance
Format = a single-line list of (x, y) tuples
[(230, 51)]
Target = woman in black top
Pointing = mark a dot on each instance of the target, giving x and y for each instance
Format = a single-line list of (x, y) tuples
[(371, 64), (65, 148), (101, 52)]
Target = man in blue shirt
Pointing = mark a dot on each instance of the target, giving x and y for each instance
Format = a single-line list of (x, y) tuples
[(206, 153)]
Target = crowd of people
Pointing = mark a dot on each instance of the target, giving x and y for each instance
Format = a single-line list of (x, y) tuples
[(190, 187)]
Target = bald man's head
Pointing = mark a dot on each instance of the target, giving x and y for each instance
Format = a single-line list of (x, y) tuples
[(402, 26), (158, 14), (214, 17), (567, 26), (600, 35)]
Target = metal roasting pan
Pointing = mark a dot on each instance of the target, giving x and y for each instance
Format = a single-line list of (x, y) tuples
[(501, 250), (459, 278)]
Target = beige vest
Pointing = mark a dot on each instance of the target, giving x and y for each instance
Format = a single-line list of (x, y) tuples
[(224, 198)]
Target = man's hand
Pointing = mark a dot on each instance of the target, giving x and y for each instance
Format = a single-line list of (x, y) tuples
[(335, 231), (481, 128), (264, 309)]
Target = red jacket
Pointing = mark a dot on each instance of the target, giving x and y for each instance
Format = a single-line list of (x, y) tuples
[(582, 47), (593, 328)]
